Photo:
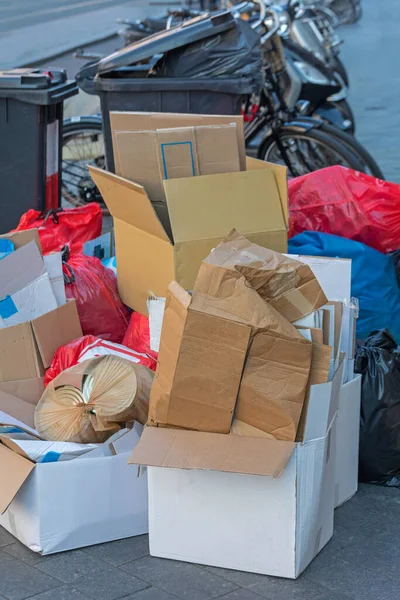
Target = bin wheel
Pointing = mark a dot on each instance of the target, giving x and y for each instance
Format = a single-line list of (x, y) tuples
[(82, 145)]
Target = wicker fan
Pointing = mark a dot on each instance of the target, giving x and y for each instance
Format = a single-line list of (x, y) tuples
[(87, 402)]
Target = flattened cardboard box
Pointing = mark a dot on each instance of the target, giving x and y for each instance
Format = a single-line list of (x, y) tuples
[(26, 350), (200, 364), (129, 122), (150, 157), (202, 210)]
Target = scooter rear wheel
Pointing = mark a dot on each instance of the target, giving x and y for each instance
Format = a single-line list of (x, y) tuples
[(306, 150)]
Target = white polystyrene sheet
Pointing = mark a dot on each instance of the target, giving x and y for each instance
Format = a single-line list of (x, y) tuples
[(348, 432)]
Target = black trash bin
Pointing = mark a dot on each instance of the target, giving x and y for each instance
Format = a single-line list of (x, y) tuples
[(124, 85), (31, 115)]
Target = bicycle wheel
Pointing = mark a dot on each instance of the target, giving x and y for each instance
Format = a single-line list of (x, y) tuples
[(83, 145), (304, 151), (368, 163)]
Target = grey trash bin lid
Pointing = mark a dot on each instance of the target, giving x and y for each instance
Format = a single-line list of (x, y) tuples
[(187, 32)]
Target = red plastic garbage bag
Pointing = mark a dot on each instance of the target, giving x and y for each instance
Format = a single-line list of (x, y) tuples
[(94, 287), (346, 203), (70, 227), (87, 347), (137, 337)]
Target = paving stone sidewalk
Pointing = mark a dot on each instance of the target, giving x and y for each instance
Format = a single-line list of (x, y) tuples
[(361, 562)]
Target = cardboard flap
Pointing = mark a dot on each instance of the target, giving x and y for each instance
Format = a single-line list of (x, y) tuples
[(28, 390), (128, 202), (21, 238), (280, 172), (18, 354), (180, 449), (211, 205), (20, 268), (56, 328), (139, 121), (14, 470), (17, 408)]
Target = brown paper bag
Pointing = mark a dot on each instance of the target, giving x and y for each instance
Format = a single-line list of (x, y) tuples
[(274, 384), (225, 293), (200, 364), (285, 283)]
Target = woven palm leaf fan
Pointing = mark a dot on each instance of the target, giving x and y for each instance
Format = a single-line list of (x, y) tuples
[(90, 401)]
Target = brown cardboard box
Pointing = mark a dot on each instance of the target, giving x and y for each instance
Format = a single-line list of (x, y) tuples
[(288, 285), (199, 368), (201, 210), (141, 121), (150, 157), (26, 350)]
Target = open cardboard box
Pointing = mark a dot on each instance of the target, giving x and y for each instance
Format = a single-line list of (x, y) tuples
[(52, 507), (26, 350), (251, 504), (201, 211)]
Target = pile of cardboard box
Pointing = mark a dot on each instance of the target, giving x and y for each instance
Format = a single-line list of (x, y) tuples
[(252, 436), (242, 422), (47, 489)]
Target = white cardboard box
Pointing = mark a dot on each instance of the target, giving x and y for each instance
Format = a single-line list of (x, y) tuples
[(75, 503), (273, 525), (347, 431)]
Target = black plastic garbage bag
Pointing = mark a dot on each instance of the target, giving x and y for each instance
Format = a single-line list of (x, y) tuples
[(378, 360), (231, 54)]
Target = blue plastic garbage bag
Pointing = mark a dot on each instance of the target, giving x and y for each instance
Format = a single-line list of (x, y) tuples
[(373, 279)]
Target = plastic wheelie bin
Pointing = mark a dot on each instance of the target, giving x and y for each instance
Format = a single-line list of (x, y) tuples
[(127, 80), (31, 116)]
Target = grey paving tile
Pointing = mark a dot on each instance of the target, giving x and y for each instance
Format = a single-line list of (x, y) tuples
[(382, 557), (122, 551), (5, 537), (333, 596), (185, 581), (69, 566), (23, 553), (62, 593), (342, 538), (241, 594), (357, 582), (19, 580), (367, 519), (273, 588), (108, 583), (150, 593)]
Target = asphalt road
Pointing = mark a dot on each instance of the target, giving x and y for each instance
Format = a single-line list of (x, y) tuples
[(32, 31), (16, 14)]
